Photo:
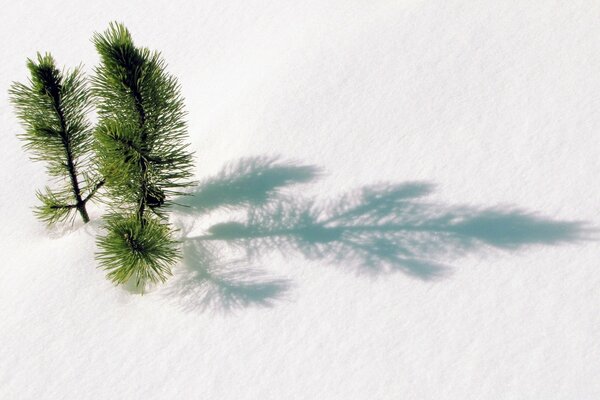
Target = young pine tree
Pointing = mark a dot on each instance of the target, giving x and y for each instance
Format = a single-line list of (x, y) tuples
[(52, 108), (141, 150)]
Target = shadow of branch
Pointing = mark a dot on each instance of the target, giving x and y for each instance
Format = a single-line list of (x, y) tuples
[(209, 283), (249, 182), (387, 228), (377, 229)]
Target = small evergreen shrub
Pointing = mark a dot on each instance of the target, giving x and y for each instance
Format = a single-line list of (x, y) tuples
[(137, 153)]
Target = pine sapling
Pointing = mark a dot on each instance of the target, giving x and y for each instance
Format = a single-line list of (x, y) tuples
[(52, 108), (142, 151)]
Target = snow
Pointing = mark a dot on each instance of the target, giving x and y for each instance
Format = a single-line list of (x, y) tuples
[(396, 199)]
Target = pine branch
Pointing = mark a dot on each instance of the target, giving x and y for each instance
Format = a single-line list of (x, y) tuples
[(92, 192), (140, 104), (135, 250), (52, 108), (141, 151), (54, 206)]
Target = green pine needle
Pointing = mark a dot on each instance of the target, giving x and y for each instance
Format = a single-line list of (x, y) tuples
[(54, 206), (139, 146), (141, 149), (144, 252), (53, 108), (141, 133)]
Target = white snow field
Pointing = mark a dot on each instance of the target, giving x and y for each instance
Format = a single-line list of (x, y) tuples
[(395, 200)]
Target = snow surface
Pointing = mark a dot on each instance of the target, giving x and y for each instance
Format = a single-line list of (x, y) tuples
[(396, 200)]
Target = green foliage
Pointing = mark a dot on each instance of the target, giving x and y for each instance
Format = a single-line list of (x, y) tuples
[(141, 132), (53, 109), (141, 149), (54, 207), (142, 250)]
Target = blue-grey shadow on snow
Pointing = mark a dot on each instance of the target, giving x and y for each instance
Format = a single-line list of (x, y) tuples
[(387, 228), (376, 229), (211, 282), (248, 182)]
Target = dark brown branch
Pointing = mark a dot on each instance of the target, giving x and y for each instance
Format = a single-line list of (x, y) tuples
[(55, 95), (97, 186)]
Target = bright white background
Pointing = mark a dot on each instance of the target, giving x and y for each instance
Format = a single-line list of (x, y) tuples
[(493, 103)]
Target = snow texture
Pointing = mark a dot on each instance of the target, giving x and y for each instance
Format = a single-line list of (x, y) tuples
[(395, 200)]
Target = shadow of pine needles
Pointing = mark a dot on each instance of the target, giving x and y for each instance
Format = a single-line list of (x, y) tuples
[(378, 229), (250, 182)]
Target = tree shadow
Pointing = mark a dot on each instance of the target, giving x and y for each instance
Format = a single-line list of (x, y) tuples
[(387, 228), (210, 283), (248, 182), (376, 230)]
